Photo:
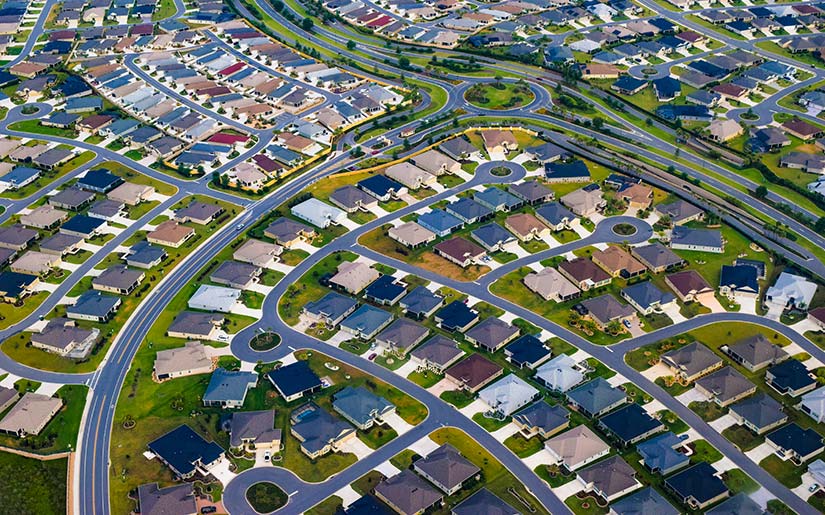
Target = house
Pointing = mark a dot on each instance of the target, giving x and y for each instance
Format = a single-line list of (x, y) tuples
[(170, 234), (637, 196), (756, 352), (630, 424), (691, 362), (421, 302), (318, 432), (14, 286), (659, 454), (541, 419), (698, 240), (596, 397), (760, 413), (93, 306), (497, 199), (118, 279), (813, 404), (491, 334), (570, 171), (196, 326), (153, 500), (793, 443), (460, 149), (473, 373), (106, 209), (401, 336), (62, 337), (801, 129), (386, 290), (576, 448), (99, 180), (200, 213), (352, 277), (295, 380), (381, 187), (618, 262), (460, 251), (647, 500), (468, 210), (366, 322), (436, 163), (446, 468), (725, 386), (698, 486), (254, 430), (30, 415), (609, 479), (531, 192), (362, 408), (817, 317), (228, 388), (527, 350), (406, 493), (214, 298), (657, 258), (689, 285), (584, 202), (411, 234), (498, 141), (647, 298), (484, 502), (351, 199), (679, 212), (439, 222), (72, 199), (145, 255), (186, 452), (605, 309), (19, 177), (560, 374), (410, 176), (191, 359), (330, 310), (456, 316), (551, 284), (258, 253), (723, 130), (493, 237), (35, 263), (584, 273), (288, 233), (790, 378), (43, 217), (791, 292), (319, 213), (526, 227), (739, 504), (436, 354), (508, 395)]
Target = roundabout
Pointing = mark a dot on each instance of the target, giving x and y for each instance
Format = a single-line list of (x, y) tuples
[(500, 95)]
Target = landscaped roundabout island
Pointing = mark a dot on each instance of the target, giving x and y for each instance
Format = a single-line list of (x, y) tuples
[(499, 95)]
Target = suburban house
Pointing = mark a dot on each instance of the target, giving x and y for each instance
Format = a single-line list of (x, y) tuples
[(630, 424), (318, 431), (542, 420), (660, 454), (596, 397), (228, 388), (30, 415), (551, 284), (170, 234), (756, 352), (421, 302), (362, 408), (584, 273), (508, 395), (191, 359), (491, 334), (688, 285), (436, 354), (576, 448), (560, 374), (737, 282), (609, 479), (698, 486), (725, 386), (647, 500), (118, 279), (606, 309), (411, 234), (657, 258), (329, 310), (813, 404), (353, 277), (196, 326), (793, 443), (698, 240), (186, 452), (295, 380), (253, 430), (618, 262), (405, 492), (760, 413), (366, 322), (446, 468), (790, 378), (691, 362), (473, 373)]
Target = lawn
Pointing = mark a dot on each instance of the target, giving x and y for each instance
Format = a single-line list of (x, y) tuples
[(703, 451), (425, 379), (308, 288), (743, 438), (60, 434), (707, 410), (328, 506), (490, 424), (35, 127), (672, 422), (499, 95), (49, 176), (737, 481), (523, 447), (785, 472), (404, 459), (379, 241), (33, 486), (497, 478), (367, 482), (458, 398), (135, 177), (11, 314), (266, 497)]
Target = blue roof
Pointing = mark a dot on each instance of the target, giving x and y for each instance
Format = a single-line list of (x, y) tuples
[(82, 224), (454, 315), (702, 237), (492, 234), (575, 169), (555, 213), (93, 303), (284, 155), (659, 453), (63, 119), (526, 349), (367, 319), (332, 305), (801, 441), (182, 448), (739, 276), (646, 294), (20, 175), (626, 82), (72, 85), (468, 209), (629, 422), (380, 185), (385, 288), (493, 196), (99, 178), (667, 87), (84, 103), (439, 221), (421, 300), (791, 374), (12, 284), (595, 395), (145, 253), (229, 385), (294, 378)]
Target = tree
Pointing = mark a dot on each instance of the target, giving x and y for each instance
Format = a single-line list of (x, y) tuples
[(761, 192), (820, 225), (404, 62), (598, 123), (307, 24), (350, 45)]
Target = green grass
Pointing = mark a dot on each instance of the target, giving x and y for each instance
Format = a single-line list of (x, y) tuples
[(503, 95), (377, 436), (522, 447), (458, 398), (60, 434), (703, 451), (743, 438), (707, 410), (586, 506), (265, 497), (737, 481), (404, 459), (11, 314), (367, 482), (672, 422), (425, 379), (328, 506), (489, 424), (34, 127), (49, 176), (33, 486), (785, 472), (307, 288)]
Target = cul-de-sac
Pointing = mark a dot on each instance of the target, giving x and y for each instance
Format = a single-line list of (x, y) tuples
[(439, 257)]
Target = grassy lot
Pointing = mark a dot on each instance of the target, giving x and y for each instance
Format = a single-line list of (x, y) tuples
[(425, 379), (367, 482), (35, 127), (522, 447), (497, 478), (458, 398), (308, 288), (707, 411), (11, 314), (60, 434), (489, 424), (785, 472), (379, 241), (266, 497), (328, 506), (132, 176), (703, 451), (672, 422), (503, 95), (743, 438), (33, 486), (404, 459)]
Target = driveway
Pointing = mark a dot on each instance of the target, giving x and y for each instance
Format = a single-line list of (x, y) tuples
[(445, 385), (222, 473), (692, 395), (406, 369), (424, 446), (566, 490), (348, 495), (388, 469), (759, 453), (656, 371), (396, 422), (477, 406), (710, 301), (722, 423), (357, 447), (541, 457), (505, 432), (672, 311)]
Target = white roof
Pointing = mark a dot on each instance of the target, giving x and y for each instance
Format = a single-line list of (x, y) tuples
[(318, 213), (508, 394), (817, 470), (214, 298), (584, 45), (560, 373), (789, 286)]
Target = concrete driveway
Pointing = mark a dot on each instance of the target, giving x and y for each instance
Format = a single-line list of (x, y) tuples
[(760, 452), (692, 395), (399, 424), (505, 432), (356, 447), (222, 473), (722, 423)]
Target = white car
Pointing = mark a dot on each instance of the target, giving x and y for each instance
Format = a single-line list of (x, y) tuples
[(267, 456)]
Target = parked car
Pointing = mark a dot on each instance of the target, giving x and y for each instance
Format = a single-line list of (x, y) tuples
[(267, 456), (814, 487), (372, 356), (209, 509)]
